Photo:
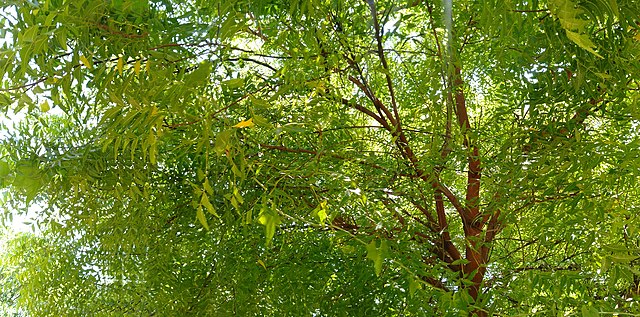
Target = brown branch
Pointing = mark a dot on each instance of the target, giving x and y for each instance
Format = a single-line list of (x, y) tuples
[(25, 86), (368, 112), (248, 59), (474, 172), (435, 283), (453, 200), (429, 217), (383, 61), (385, 113), (444, 230)]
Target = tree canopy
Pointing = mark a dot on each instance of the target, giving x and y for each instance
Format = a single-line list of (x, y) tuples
[(321, 157)]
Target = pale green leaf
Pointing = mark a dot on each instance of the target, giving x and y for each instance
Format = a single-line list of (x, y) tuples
[(583, 41), (201, 217)]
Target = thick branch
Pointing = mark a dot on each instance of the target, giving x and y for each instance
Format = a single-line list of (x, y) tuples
[(444, 230), (474, 173)]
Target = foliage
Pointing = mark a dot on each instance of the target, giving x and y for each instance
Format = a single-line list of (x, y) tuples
[(321, 157)]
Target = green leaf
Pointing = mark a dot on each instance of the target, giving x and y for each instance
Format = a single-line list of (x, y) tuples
[(199, 76), (589, 311), (237, 196), (86, 62), (613, 5), (44, 107), (204, 201), (414, 286), (202, 218), (207, 186), (321, 212), (61, 37), (223, 142), (120, 65), (583, 41), (461, 261), (270, 219), (377, 254), (624, 258), (5, 169), (233, 83)]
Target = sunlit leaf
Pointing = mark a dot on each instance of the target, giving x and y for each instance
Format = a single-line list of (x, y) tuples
[(85, 62), (245, 124)]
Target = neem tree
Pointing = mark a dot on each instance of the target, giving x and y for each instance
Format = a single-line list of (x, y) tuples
[(399, 158)]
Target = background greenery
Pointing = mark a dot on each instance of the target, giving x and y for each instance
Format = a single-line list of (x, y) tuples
[(321, 157)]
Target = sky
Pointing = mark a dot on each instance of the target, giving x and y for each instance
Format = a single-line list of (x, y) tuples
[(20, 222)]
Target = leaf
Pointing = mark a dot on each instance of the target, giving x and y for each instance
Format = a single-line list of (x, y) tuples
[(237, 196), (461, 261), (414, 285), (223, 142), (61, 37), (236, 171), (233, 83), (136, 67), (377, 254), (261, 263), (202, 218), (321, 212), (44, 107), (372, 251), (199, 76), (207, 187), (624, 258), (244, 124), (29, 34), (262, 122), (234, 202), (583, 41), (294, 127), (270, 219), (85, 62), (5, 169), (613, 5), (204, 201), (589, 311), (120, 65), (322, 215)]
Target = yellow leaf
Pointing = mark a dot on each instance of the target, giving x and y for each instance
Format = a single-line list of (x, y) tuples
[(120, 65), (136, 67), (637, 37), (44, 107), (245, 124), (147, 67), (85, 61), (262, 264)]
